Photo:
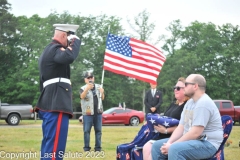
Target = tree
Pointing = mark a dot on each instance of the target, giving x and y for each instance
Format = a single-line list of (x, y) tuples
[(9, 57), (228, 62), (33, 35), (196, 54), (142, 26), (173, 42), (210, 51)]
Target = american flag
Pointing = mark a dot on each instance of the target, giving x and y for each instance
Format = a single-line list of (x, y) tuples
[(156, 119), (133, 58)]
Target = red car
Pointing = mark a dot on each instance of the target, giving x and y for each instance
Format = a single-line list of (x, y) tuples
[(118, 115)]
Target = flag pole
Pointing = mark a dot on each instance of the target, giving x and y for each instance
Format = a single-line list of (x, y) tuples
[(99, 104)]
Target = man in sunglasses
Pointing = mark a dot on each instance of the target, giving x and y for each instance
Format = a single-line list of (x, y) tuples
[(54, 105), (199, 133), (153, 100), (91, 96)]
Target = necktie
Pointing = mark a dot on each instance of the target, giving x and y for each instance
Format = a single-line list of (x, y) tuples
[(153, 92)]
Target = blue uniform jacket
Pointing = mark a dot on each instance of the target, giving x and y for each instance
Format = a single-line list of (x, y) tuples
[(55, 62)]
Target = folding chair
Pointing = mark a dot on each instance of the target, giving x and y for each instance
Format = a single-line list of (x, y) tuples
[(227, 124), (143, 136)]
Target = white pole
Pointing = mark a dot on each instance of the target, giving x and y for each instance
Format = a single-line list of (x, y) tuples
[(99, 104), (100, 97), (102, 78)]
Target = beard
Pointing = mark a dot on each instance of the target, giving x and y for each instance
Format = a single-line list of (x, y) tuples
[(190, 94)]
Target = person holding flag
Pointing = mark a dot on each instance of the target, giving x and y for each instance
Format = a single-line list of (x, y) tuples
[(91, 96)]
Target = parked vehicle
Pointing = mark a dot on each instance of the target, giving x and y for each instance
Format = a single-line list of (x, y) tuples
[(13, 113), (226, 107), (118, 115)]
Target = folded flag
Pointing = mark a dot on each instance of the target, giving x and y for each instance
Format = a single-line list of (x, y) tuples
[(156, 119)]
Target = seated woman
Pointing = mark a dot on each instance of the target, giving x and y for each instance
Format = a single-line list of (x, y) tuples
[(174, 111)]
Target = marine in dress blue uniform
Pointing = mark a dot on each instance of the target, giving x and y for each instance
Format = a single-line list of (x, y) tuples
[(55, 102)]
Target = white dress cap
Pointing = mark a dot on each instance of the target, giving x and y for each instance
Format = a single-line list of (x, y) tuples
[(66, 27)]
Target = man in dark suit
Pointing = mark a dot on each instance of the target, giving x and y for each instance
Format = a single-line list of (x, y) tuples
[(153, 100), (54, 105)]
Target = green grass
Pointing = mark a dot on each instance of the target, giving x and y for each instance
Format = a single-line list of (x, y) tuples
[(26, 138)]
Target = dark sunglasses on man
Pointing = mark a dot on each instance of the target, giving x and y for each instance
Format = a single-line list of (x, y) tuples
[(187, 83)]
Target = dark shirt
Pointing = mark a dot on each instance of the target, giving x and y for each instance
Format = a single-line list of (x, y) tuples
[(95, 100), (173, 111)]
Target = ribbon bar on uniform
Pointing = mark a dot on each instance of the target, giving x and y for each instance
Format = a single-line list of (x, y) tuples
[(56, 80)]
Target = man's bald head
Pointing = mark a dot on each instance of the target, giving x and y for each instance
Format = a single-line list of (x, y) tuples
[(199, 79)]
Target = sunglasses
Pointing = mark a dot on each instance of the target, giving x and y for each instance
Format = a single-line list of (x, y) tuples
[(177, 88), (187, 83), (90, 77)]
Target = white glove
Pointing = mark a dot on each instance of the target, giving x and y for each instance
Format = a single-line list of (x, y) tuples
[(70, 37)]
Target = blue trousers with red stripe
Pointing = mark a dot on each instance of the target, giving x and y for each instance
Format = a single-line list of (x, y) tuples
[(54, 130)]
